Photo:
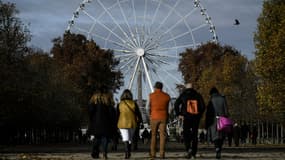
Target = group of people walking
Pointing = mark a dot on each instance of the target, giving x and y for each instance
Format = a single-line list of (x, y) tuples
[(189, 107), (105, 120)]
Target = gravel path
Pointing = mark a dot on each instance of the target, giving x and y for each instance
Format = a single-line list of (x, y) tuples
[(173, 151)]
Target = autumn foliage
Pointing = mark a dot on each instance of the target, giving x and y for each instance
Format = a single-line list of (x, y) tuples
[(224, 67)]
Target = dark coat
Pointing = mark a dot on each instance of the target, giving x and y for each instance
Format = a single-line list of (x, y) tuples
[(180, 104), (102, 119), (217, 107)]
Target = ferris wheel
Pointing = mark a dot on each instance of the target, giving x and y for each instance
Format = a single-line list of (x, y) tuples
[(146, 36)]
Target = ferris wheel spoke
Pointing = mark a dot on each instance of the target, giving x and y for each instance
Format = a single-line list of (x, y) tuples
[(150, 38), (200, 26), (127, 61), (136, 36), (175, 47), (134, 11), (126, 44), (182, 19), (144, 37), (169, 13), (127, 58), (90, 30), (81, 29), (123, 51), (169, 74), (127, 69), (115, 21), (98, 36), (144, 14), (190, 31), (176, 37), (192, 36), (173, 66), (159, 60), (135, 23), (152, 44), (133, 36), (151, 61), (120, 56), (127, 23), (109, 40), (162, 63), (155, 13), (104, 26), (158, 54)]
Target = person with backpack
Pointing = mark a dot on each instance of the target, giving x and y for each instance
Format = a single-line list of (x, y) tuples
[(217, 107), (189, 107)]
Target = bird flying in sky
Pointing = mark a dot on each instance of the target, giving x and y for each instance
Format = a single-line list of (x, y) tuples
[(236, 22)]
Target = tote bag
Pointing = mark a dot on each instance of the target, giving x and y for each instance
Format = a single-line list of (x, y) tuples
[(224, 124)]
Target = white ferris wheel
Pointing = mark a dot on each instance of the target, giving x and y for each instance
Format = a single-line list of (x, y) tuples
[(146, 36)]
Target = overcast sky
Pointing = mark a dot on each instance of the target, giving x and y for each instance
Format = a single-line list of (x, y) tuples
[(48, 19)]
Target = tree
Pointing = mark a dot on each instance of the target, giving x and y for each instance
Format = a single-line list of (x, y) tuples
[(89, 67), (85, 63), (13, 40), (270, 60), (51, 97), (13, 34), (33, 92), (224, 67)]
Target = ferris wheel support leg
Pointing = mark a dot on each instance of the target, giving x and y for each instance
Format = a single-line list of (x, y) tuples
[(147, 75), (134, 73)]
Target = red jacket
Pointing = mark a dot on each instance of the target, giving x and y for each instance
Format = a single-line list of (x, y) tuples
[(158, 101)]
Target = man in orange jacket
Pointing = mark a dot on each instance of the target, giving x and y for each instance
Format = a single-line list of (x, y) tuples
[(158, 102)]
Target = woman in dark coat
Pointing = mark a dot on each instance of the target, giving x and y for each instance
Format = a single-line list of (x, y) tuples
[(102, 121), (217, 106)]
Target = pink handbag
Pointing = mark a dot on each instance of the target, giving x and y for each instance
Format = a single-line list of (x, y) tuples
[(224, 124)]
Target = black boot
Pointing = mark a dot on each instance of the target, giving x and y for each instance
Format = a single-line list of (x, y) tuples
[(218, 147), (218, 153), (95, 155), (127, 150), (95, 149)]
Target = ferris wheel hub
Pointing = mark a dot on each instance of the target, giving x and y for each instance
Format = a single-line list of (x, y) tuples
[(140, 52)]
